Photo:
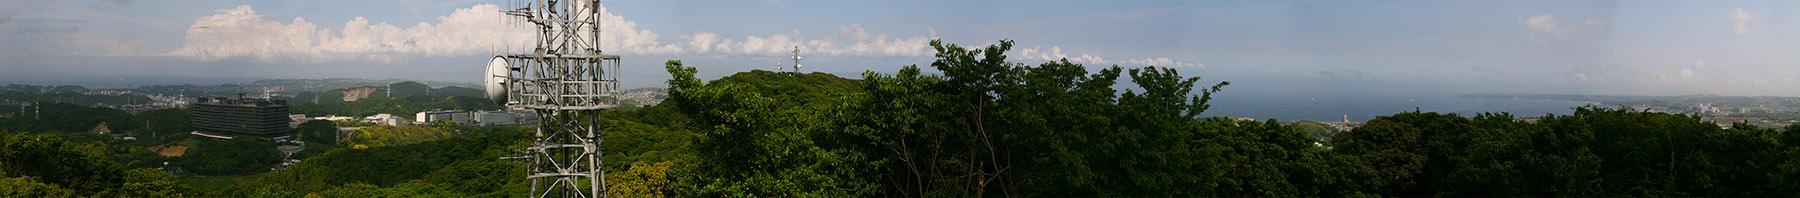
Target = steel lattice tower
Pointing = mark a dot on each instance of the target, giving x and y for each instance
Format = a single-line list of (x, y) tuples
[(566, 80)]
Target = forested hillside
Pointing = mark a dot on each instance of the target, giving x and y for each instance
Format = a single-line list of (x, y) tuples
[(396, 106), (63, 117), (389, 135), (986, 126), (392, 94), (43, 165), (65, 94)]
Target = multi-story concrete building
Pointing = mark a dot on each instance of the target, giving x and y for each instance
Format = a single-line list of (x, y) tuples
[(504, 117), (241, 116)]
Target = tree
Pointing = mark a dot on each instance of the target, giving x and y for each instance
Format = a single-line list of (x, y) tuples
[(752, 148), (401, 190), (1593, 152), (468, 164), (318, 132), (1661, 154), (165, 123), (53, 161), (643, 180), (61, 117), (1786, 177), (993, 128), (1316, 129), (477, 176), (225, 157), (45, 166), (145, 182), (30, 187)]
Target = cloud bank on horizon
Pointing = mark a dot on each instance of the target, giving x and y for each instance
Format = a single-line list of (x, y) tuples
[(483, 29)]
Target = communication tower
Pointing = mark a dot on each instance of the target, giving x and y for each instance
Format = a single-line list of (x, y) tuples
[(567, 81), (796, 59)]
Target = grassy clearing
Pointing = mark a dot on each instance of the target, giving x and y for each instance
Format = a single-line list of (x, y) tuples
[(170, 150)]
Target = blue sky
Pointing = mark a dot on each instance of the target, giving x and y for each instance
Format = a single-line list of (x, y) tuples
[(1264, 47)]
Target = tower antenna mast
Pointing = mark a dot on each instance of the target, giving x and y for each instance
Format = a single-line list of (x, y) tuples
[(567, 81)]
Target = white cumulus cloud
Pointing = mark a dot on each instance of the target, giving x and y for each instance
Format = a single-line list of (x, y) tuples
[(1547, 27), (1055, 53), (1743, 21), (242, 32)]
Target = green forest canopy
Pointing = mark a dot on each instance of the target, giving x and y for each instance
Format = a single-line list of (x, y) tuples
[(989, 127)]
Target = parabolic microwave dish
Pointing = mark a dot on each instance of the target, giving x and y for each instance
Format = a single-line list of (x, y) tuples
[(498, 70)]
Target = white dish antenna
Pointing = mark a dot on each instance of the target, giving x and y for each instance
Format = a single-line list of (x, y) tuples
[(498, 71)]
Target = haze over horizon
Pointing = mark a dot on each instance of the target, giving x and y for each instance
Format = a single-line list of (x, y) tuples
[(1263, 47)]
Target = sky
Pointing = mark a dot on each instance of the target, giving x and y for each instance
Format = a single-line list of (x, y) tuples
[(1263, 47)]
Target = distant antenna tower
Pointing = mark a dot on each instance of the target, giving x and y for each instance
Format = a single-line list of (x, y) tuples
[(567, 81), (796, 59)]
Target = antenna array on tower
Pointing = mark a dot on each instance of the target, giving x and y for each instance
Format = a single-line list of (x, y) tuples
[(567, 80)]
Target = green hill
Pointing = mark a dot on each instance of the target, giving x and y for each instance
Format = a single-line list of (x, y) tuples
[(792, 89), (69, 94), (396, 106), (60, 117), (387, 135), (1316, 129)]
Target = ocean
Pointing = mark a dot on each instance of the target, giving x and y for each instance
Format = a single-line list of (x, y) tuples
[(1363, 107)]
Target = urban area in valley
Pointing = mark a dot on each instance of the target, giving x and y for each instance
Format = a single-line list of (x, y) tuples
[(1763, 111), (264, 109)]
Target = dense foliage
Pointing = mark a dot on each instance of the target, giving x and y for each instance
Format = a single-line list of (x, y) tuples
[(467, 164), (1316, 129), (386, 135), (226, 157), (790, 89), (318, 132), (61, 117), (46, 166), (1594, 152), (66, 94), (165, 122), (988, 127), (983, 127)]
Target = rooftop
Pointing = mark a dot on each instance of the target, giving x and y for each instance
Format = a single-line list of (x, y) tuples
[(242, 101)]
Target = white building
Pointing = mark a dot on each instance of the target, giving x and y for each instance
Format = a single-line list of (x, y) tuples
[(386, 119), (426, 117), (334, 118)]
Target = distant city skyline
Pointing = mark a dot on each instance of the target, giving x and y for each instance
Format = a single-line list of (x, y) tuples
[(1264, 47)]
